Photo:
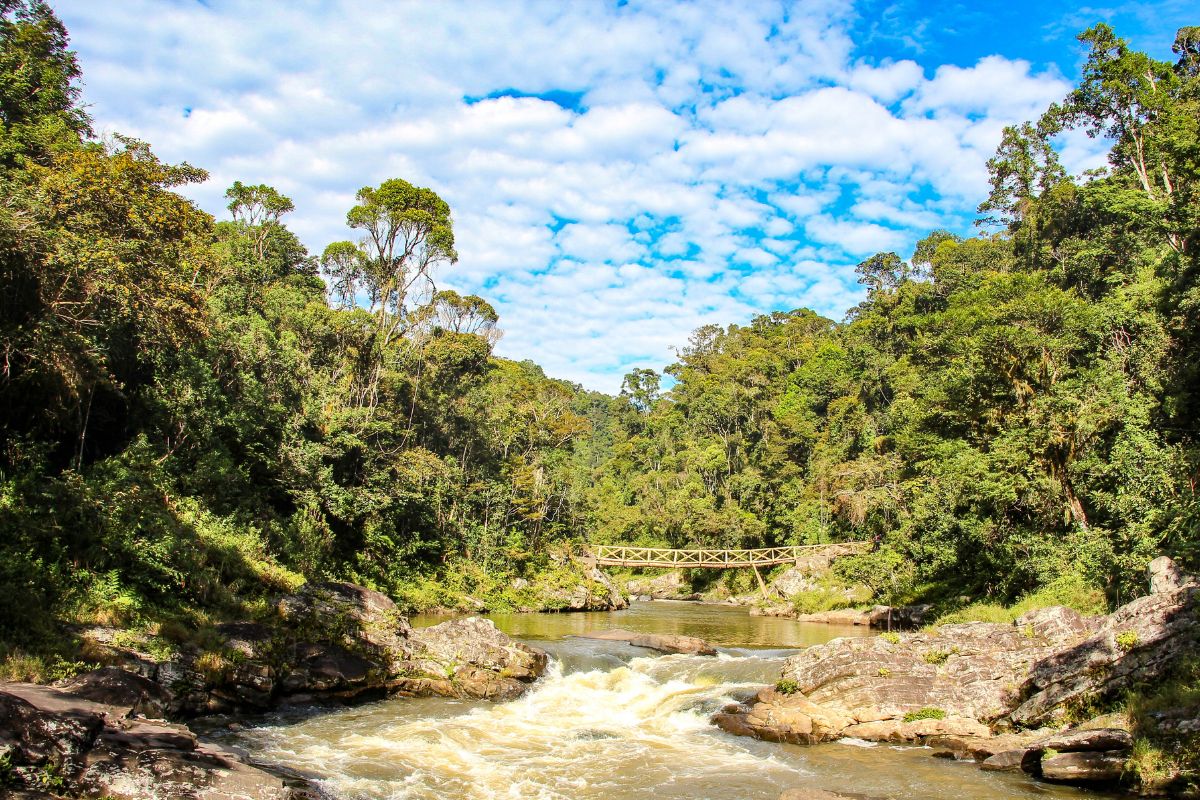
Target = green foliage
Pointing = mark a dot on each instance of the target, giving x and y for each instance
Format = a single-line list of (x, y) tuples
[(1166, 754), (1127, 640), (787, 686), (890, 637), (925, 713), (937, 656)]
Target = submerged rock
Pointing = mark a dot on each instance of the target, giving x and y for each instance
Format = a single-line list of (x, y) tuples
[(663, 643)]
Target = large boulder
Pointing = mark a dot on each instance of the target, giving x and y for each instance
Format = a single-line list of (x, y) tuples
[(117, 687), (469, 658), (967, 670)]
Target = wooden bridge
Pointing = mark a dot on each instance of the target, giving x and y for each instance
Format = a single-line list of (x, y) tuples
[(613, 555)]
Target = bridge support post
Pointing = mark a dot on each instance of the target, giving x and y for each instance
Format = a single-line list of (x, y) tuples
[(762, 587)]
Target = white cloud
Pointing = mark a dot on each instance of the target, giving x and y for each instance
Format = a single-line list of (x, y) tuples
[(618, 174)]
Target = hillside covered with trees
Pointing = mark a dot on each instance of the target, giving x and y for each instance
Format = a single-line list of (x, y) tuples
[(198, 413)]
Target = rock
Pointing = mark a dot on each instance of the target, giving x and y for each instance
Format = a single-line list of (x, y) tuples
[(667, 586), (460, 650), (968, 670), (1164, 575), (664, 643), (1084, 767), (838, 616), (1017, 760), (1079, 740), (336, 611), (1054, 624), (811, 794), (879, 617), (980, 748), (324, 668), (1136, 643), (99, 756), (117, 687), (594, 591)]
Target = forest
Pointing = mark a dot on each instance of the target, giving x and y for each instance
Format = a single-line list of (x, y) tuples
[(198, 413)]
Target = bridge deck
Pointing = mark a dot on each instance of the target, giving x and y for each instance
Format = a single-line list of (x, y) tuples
[(622, 556)]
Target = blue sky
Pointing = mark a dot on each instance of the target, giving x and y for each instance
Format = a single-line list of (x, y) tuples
[(620, 173)]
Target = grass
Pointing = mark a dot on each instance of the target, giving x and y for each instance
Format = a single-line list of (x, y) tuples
[(1068, 590), (829, 596), (1166, 758)]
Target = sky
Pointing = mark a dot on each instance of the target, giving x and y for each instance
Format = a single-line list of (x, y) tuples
[(619, 173)]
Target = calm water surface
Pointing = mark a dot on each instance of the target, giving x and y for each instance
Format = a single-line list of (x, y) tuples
[(610, 722)]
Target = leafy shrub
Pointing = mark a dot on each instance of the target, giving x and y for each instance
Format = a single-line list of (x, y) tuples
[(925, 713), (938, 656), (891, 637), (1127, 640), (787, 686)]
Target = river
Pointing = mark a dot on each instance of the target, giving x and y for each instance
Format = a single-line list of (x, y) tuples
[(609, 722)]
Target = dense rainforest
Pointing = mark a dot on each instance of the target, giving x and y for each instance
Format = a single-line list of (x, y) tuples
[(197, 413)]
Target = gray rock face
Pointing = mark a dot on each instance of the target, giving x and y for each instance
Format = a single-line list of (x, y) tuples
[(117, 687), (982, 678), (1138, 641), (1079, 740), (667, 586), (1164, 575), (328, 641), (97, 751), (1055, 624), (469, 658)]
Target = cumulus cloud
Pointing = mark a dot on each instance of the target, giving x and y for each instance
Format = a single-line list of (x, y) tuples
[(619, 174)]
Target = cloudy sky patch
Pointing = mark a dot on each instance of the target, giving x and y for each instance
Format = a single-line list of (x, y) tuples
[(620, 173)]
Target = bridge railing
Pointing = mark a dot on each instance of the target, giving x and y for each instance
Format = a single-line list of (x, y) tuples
[(625, 556)]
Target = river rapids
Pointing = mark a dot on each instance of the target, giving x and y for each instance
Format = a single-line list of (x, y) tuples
[(608, 722)]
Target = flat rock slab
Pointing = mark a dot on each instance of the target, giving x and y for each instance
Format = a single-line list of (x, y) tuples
[(663, 643), (1085, 767), (1080, 740)]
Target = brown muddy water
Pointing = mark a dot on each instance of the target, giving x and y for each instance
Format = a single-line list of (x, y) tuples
[(609, 722)]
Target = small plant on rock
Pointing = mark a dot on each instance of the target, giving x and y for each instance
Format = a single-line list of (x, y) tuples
[(928, 712), (1127, 640), (884, 672), (787, 686), (937, 657), (893, 638)]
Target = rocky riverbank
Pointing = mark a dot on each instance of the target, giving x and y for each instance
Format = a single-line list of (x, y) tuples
[(106, 732), (1006, 695)]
